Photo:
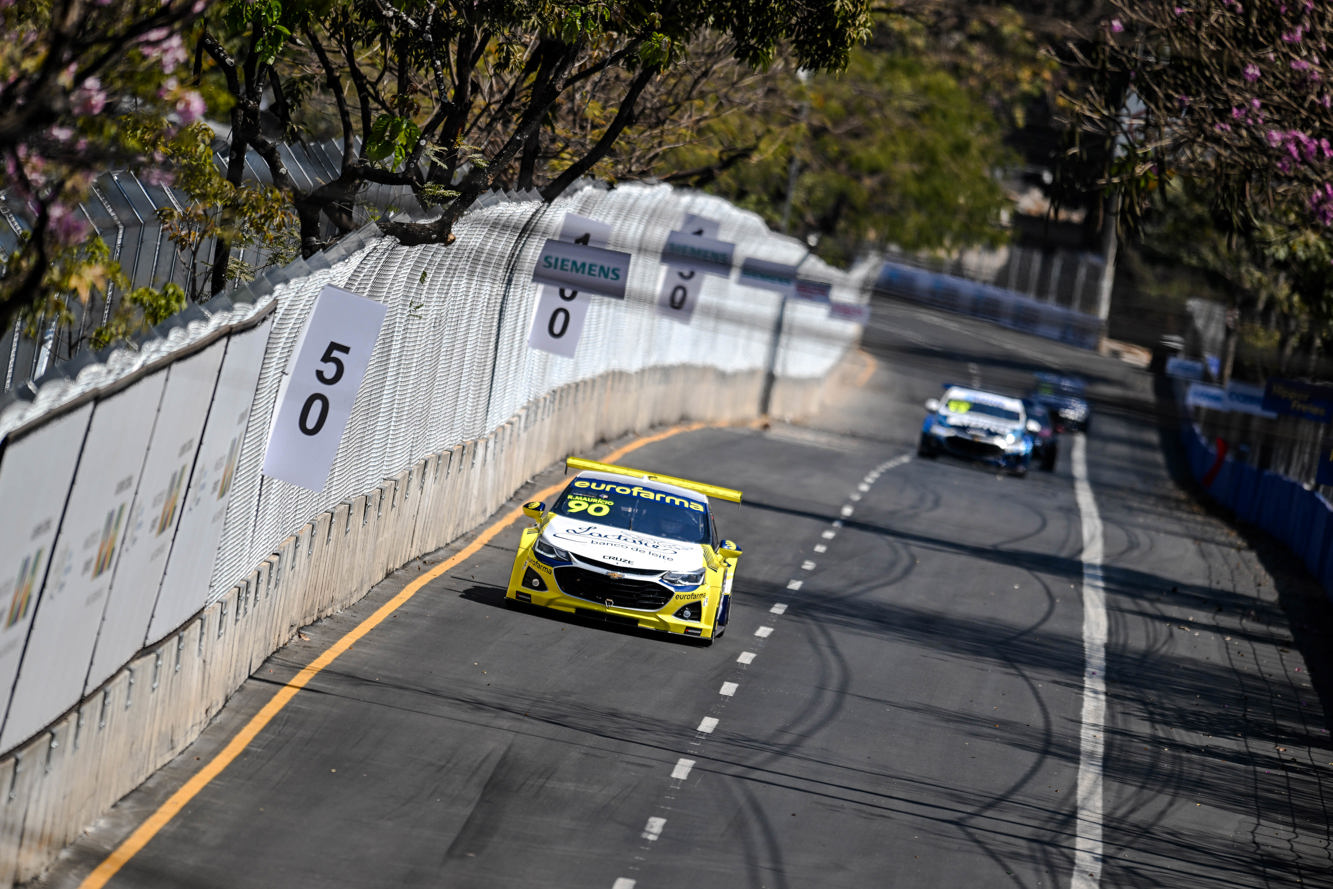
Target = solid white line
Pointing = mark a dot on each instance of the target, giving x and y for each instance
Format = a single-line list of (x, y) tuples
[(682, 769), (728, 689), (745, 657), (653, 829), (1088, 848), (707, 724), (764, 632), (778, 608)]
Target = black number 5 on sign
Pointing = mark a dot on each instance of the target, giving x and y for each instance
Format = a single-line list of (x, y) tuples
[(322, 384)]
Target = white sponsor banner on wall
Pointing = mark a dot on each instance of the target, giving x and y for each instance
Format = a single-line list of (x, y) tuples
[(185, 583), (321, 387), (36, 471), (157, 509), (83, 563), (557, 324)]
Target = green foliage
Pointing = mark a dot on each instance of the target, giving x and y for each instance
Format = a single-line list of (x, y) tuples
[(138, 312), (897, 149), (392, 137)]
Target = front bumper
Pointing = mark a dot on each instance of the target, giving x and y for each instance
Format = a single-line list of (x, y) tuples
[(979, 447), (625, 601)]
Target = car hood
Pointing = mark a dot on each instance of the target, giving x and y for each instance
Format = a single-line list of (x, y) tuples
[(617, 546), (993, 425)]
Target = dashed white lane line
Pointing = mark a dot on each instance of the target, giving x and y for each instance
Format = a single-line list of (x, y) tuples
[(1088, 848), (708, 724)]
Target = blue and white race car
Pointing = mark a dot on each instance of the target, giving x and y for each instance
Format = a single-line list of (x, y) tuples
[(1066, 398), (981, 426)]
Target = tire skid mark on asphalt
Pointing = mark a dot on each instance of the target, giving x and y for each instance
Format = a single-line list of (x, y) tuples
[(708, 724)]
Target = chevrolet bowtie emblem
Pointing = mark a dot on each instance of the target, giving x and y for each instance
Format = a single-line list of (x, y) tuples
[(614, 575)]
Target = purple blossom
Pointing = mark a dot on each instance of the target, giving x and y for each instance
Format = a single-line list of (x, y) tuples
[(1321, 202), (190, 107), (88, 98), (1117, 26), (66, 224), (1251, 72)]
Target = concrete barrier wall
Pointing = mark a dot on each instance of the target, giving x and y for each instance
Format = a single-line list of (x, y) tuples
[(179, 567), (148, 712)]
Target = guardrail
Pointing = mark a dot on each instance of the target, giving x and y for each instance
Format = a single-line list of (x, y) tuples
[(154, 565)]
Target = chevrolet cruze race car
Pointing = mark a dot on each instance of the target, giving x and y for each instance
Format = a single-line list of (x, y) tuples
[(981, 426), (631, 547)]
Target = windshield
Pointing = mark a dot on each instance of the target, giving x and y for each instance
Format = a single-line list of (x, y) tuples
[(635, 508), (958, 405)]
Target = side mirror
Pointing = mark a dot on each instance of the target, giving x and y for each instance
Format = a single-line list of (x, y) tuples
[(728, 549), (533, 509), (1034, 427), (932, 405)]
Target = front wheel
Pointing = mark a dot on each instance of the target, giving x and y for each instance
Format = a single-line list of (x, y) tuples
[(925, 448)]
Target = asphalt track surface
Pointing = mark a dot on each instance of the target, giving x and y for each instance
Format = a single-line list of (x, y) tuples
[(898, 702)]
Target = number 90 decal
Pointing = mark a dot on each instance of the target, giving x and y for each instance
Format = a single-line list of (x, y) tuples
[(592, 507)]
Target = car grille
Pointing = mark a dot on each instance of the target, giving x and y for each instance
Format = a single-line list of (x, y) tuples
[(973, 449), (624, 592)]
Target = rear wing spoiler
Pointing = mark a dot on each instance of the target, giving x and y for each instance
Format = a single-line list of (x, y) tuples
[(721, 493)]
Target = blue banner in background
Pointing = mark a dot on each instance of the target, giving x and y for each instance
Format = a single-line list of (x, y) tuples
[(1308, 401)]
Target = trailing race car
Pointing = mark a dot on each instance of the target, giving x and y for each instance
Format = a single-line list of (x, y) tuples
[(1065, 396), (1045, 441), (981, 426), (631, 547)]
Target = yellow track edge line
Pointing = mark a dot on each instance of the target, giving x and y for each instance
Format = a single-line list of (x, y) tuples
[(145, 832)]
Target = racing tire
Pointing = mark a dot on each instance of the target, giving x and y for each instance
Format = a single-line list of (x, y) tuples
[(924, 448), (1048, 460)]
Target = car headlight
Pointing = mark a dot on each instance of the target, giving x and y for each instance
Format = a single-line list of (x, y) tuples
[(550, 552), (683, 578)]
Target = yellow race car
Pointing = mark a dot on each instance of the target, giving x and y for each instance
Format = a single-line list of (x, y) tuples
[(630, 547)]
